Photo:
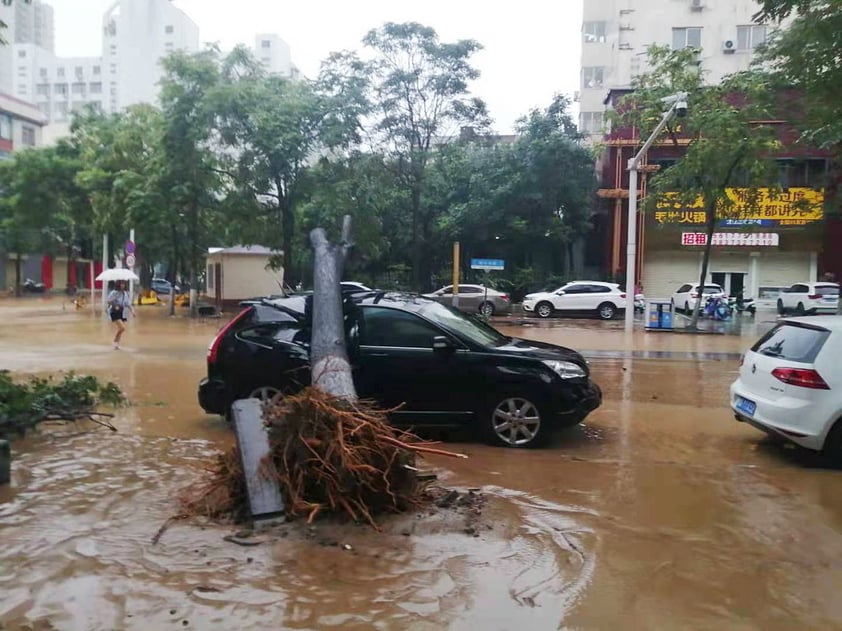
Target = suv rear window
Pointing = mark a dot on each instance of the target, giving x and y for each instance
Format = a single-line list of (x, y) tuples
[(795, 343), (827, 290), (712, 289)]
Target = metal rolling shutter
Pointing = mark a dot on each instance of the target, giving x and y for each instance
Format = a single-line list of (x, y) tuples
[(664, 272)]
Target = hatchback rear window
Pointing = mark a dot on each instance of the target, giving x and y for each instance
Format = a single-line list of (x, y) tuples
[(795, 343), (827, 290)]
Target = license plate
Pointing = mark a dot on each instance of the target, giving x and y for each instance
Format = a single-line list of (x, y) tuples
[(746, 406), (831, 298)]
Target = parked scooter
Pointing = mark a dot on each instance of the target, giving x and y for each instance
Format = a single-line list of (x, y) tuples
[(717, 308), (30, 286), (740, 304)]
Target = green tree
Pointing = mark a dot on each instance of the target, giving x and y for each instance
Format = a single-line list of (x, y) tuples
[(421, 95), (274, 127), (190, 174), (727, 146)]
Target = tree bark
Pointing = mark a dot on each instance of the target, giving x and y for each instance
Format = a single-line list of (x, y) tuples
[(711, 227), (17, 274), (329, 365), (194, 260), (417, 241)]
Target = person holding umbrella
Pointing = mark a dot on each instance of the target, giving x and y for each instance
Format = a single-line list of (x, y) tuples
[(119, 304)]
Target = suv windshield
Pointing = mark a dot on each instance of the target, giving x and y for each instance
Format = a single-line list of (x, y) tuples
[(792, 342), (469, 327)]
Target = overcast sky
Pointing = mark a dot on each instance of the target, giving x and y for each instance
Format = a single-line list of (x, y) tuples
[(532, 47)]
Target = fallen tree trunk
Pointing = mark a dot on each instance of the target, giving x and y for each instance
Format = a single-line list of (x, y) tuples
[(330, 369)]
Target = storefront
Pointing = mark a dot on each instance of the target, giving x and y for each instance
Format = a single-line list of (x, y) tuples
[(770, 240)]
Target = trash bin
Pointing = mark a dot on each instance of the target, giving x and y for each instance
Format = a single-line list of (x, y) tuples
[(659, 315), (653, 315)]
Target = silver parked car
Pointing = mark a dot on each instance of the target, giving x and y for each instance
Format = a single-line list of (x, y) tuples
[(474, 299)]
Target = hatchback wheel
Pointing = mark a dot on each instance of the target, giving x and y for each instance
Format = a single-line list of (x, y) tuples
[(515, 421), (606, 311), (833, 443), (486, 309), (544, 310), (264, 393)]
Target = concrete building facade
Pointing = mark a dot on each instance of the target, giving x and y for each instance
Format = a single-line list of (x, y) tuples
[(275, 55), (617, 33)]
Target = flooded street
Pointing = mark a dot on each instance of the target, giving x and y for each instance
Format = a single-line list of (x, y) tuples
[(660, 512)]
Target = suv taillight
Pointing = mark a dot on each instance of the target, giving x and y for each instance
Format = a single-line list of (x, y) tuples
[(814, 297), (622, 295), (213, 349), (801, 377), (694, 295), (505, 297)]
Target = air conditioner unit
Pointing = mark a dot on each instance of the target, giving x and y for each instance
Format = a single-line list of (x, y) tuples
[(697, 5), (729, 46)]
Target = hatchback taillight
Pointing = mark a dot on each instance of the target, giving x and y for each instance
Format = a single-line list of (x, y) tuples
[(801, 377), (213, 349), (505, 297)]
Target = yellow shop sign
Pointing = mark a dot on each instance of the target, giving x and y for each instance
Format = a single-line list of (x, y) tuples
[(761, 207)]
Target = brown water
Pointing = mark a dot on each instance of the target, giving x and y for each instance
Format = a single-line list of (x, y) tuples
[(661, 512)]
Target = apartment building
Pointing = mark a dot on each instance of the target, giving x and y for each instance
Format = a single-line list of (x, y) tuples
[(617, 33), (275, 55)]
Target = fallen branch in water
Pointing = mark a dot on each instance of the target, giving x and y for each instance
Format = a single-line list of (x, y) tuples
[(24, 405)]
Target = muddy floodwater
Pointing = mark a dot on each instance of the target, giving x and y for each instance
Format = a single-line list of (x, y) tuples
[(660, 512)]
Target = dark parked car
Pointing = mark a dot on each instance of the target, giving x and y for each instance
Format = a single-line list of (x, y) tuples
[(442, 368)]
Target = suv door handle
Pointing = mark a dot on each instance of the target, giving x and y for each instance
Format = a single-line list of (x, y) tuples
[(378, 354)]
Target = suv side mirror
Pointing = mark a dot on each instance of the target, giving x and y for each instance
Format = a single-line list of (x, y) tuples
[(560, 292), (442, 343)]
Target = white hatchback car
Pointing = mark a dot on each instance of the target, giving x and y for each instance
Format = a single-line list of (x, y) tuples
[(804, 298), (584, 296), (685, 297), (790, 383)]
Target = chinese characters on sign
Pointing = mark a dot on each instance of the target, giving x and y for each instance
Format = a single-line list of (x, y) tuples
[(759, 207), (753, 239)]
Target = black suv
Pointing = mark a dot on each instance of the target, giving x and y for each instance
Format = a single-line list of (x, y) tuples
[(440, 367)]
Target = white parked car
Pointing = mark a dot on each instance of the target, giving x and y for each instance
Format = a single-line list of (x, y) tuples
[(804, 298), (584, 296), (685, 297), (790, 383)]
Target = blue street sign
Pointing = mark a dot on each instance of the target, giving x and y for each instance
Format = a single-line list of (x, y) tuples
[(488, 264)]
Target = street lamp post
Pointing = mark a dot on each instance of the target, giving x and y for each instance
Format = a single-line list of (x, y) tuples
[(678, 106)]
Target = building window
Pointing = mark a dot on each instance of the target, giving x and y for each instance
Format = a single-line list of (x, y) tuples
[(61, 111), (96, 88), (60, 89), (21, 54), (60, 72), (42, 89), (266, 43), (593, 76), (113, 68), (590, 122), (809, 173), (690, 37), (593, 32), (169, 29), (27, 135), (78, 88), (113, 49), (80, 72), (266, 61), (168, 46), (45, 108), (5, 126), (97, 70), (43, 73), (749, 37)]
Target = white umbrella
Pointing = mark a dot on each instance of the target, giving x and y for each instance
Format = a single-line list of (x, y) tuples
[(117, 273)]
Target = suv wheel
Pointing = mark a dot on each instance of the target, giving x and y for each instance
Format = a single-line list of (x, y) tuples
[(544, 310), (800, 309), (686, 308), (486, 309), (781, 309), (514, 421), (606, 311), (264, 393)]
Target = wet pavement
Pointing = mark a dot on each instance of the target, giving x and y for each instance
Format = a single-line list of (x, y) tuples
[(660, 512)]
